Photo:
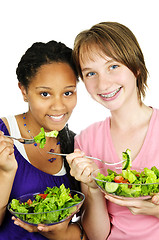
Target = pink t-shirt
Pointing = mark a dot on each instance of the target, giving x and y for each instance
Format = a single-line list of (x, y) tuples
[(96, 141)]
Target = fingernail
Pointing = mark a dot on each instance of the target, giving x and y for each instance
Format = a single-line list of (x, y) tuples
[(16, 223), (106, 196), (155, 200), (40, 228)]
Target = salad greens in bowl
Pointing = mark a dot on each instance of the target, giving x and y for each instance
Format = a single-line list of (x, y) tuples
[(126, 182), (50, 207)]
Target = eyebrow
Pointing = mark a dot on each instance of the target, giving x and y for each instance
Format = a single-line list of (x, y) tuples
[(43, 87), (88, 69), (48, 88)]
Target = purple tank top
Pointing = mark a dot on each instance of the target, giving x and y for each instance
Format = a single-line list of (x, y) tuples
[(28, 179)]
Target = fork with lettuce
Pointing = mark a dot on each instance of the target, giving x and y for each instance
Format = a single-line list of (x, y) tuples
[(41, 137)]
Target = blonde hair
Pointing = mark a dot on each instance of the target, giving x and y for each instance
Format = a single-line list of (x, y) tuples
[(116, 41)]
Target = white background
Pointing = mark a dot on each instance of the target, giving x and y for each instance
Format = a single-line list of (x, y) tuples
[(23, 22)]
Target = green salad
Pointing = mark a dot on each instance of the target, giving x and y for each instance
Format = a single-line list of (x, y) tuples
[(130, 183), (41, 137), (52, 199)]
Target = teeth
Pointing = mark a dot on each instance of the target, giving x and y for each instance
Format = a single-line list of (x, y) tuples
[(110, 94), (57, 117)]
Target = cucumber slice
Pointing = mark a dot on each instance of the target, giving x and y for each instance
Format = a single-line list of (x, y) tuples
[(127, 157), (125, 164), (111, 187)]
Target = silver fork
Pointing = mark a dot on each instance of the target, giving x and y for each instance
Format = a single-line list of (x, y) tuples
[(64, 154), (22, 140)]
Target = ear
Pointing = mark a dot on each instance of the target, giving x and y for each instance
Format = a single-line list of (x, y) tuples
[(23, 91), (138, 72)]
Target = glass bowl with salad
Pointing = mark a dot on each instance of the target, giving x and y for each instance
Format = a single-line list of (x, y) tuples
[(50, 207), (126, 182)]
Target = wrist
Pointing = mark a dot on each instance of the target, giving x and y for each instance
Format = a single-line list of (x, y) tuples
[(94, 190), (76, 231), (81, 230)]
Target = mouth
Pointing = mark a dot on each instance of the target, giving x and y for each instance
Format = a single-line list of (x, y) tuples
[(57, 117), (111, 94)]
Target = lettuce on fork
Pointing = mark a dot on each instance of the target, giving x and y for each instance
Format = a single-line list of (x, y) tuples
[(41, 137)]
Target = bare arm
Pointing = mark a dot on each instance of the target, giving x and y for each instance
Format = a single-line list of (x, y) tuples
[(95, 217), (8, 167)]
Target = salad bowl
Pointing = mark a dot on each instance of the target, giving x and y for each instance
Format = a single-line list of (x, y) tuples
[(47, 208), (127, 183)]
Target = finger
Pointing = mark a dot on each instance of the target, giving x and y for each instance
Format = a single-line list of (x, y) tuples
[(79, 164), (6, 139), (77, 154), (45, 229), (6, 150), (155, 199), (1, 133), (122, 202), (27, 227), (5, 144), (53, 228), (78, 151)]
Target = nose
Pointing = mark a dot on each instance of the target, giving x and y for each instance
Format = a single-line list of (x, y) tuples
[(57, 104), (104, 81)]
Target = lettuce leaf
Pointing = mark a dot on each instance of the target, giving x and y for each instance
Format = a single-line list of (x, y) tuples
[(56, 199), (41, 137)]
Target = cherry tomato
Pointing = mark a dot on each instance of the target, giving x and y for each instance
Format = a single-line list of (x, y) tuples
[(118, 179), (29, 201), (42, 195), (125, 181)]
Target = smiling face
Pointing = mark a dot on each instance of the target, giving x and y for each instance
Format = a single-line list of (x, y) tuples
[(109, 82), (51, 96)]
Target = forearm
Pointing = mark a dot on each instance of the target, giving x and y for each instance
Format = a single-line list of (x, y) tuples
[(72, 231), (95, 218), (6, 182), (75, 232)]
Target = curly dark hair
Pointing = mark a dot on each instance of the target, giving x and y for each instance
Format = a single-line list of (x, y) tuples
[(40, 54)]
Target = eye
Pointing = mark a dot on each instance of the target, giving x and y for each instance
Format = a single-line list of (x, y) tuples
[(69, 93), (90, 74), (44, 94), (114, 66)]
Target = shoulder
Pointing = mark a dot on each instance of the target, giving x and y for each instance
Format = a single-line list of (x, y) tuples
[(4, 126), (92, 135), (5, 122), (95, 128), (156, 111), (155, 116)]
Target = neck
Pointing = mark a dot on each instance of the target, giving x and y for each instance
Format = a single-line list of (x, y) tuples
[(52, 144), (126, 118), (32, 127)]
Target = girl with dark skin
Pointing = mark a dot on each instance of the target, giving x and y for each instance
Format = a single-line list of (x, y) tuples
[(47, 79)]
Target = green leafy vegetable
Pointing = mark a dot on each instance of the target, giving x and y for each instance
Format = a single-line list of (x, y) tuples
[(52, 199), (130, 183), (41, 137)]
